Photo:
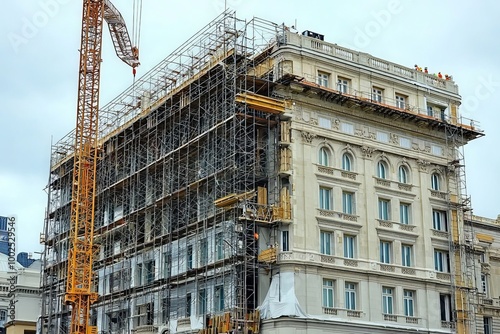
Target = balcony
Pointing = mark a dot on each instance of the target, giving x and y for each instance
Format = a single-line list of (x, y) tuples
[(338, 215), (387, 224)]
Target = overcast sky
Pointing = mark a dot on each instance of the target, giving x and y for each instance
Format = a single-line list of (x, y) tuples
[(38, 81)]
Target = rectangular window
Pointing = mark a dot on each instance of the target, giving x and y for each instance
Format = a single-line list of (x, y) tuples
[(437, 150), (326, 243), (323, 78), (150, 271), (219, 245), (404, 142), (408, 303), (350, 296), (343, 85), (406, 255), (188, 305), (219, 298), (325, 198), (324, 122), (445, 305), (203, 252), (385, 251), (285, 241), (202, 302), (328, 286), (400, 101), (484, 284), (347, 128), (387, 300), (3, 223), (349, 246), (441, 261), (488, 325), (404, 213), (377, 94), (167, 263), (348, 202), (383, 209), (382, 137), (139, 274), (439, 220), (430, 111), (189, 257)]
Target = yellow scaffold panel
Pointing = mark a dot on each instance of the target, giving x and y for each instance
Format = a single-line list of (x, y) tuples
[(261, 102)]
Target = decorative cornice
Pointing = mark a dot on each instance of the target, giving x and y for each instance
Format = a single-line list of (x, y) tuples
[(422, 165), (308, 137), (367, 151)]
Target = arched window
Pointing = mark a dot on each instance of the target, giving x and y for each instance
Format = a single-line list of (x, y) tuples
[(381, 170), (403, 174), (435, 181), (346, 162), (324, 156)]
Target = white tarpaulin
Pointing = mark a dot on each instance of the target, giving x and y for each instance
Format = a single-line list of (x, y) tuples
[(280, 299)]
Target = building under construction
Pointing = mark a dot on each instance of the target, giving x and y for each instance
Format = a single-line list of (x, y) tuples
[(261, 180)]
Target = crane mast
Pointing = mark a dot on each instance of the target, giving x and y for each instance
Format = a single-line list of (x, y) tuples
[(79, 288)]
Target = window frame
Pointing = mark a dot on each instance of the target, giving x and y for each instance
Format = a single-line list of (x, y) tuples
[(385, 251), (387, 300), (409, 303), (325, 203), (406, 256), (343, 85), (325, 240), (202, 301), (445, 307), (441, 261), (346, 162), (328, 293), (324, 156), (350, 252), (440, 220), (405, 213), (285, 241), (488, 325), (323, 78), (384, 209), (377, 94), (382, 170), (403, 175), (348, 202), (401, 101), (350, 296), (435, 182), (219, 301)]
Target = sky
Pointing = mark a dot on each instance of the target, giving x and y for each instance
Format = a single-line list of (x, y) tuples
[(39, 42)]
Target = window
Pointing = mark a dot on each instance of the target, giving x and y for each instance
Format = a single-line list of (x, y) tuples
[(385, 251), (138, 274), (323, 78), (445, 304), (202, 302), (188, 305), (381, 170), (328, 285), (149, 276), (403, 174), (441, 261), (325, 198), (3, 315), (404, 213), (430, 111), (323, 156), (404, 142), (435, 184), (400, 101), (219, 245), (326, 243), (285, 247), (189, 257), (482, 257), (408, 303), (350, 296), (203, 252), (347, 128), (219, 298), (348, 202), (343, 85), (346, 162), (387, 300), (484, 284), (3, 224), (437, 150), (377, 94), (324, 122), (349, 246), (383, 209), (167, 263), (406, 255), (439, 221), (382, 137), (488, 325)]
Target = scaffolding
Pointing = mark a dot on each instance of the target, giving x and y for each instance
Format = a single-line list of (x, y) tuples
[(188, 177)]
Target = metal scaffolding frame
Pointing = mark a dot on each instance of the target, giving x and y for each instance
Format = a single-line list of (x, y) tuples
[(171, 254)]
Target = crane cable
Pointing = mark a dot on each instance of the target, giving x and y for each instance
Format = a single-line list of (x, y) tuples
[(136, 30)]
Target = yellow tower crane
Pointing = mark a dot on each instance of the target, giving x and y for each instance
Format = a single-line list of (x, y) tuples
[(79, 291)]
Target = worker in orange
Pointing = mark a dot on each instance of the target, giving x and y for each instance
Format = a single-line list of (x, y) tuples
[(440, 76), (256, 236)]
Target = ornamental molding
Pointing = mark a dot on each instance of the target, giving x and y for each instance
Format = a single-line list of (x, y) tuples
[(308, 137)]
